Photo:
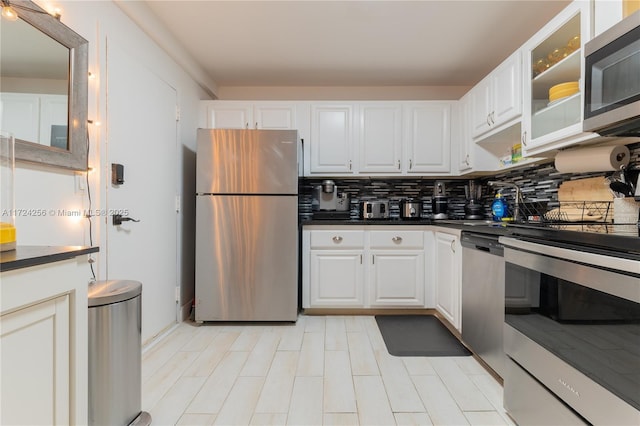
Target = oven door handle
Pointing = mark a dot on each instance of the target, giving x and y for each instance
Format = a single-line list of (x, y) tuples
[(609, 262)]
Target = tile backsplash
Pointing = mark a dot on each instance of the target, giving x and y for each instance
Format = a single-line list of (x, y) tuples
[(537, 182)]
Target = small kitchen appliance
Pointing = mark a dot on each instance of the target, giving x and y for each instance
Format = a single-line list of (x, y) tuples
[(326, 196), (374, 209), (439, 202), (473, 206), (410, 209)]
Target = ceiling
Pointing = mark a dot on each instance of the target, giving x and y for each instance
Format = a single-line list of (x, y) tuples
[(352, 43)]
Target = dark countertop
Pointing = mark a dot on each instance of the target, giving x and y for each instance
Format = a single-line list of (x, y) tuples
[(25, 256), (398, 222)]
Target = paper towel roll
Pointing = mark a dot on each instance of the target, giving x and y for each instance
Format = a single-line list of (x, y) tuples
[(598, 159)]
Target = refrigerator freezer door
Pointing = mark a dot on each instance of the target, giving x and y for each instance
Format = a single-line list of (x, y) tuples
[(247, 161), (246, 258)]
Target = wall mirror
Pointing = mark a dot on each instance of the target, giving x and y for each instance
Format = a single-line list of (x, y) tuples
[(43, 88)]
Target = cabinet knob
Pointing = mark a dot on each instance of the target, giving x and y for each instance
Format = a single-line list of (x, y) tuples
[(337, 239), (396, 239)]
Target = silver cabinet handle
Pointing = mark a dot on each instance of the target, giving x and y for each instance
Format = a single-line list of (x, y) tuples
[(488, 120), (349, 164), (256, 124), (337, 239), (466, 159), (398, 164), (453, 246), (361, 259), (410, 164), (493, 117), (373, 259), (396, 239), (524, 138), (246, 125)]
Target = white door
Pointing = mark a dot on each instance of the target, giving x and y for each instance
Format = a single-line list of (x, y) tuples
[(331, 139), (507, 90), (397, 278), (428, 137), (336, 279), (481, 107), (447, 277), (380, 138), (230, 116), (141, 135)]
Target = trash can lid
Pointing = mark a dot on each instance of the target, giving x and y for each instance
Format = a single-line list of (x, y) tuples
[(113, 291)]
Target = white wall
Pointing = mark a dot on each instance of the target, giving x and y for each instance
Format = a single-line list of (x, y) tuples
[(53, 190)]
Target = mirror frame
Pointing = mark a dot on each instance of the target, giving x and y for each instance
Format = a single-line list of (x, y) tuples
[(75, 157)]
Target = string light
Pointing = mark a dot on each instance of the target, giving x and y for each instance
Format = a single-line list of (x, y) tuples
[(10, 14)]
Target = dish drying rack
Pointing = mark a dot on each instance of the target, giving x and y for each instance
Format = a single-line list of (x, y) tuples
[(567, 212)]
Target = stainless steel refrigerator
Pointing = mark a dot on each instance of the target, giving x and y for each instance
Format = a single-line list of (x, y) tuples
[(246, 225)]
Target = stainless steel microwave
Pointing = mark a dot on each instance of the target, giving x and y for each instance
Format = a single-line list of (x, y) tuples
[(612, 80)]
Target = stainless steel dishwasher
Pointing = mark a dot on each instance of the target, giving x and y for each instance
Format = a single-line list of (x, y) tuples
[(483, 297)]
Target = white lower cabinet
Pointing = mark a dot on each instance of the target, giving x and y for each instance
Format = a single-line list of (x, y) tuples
[(36, 338), (396, 278), (336, 279), (447, 276), (43, 344), (347, 268)]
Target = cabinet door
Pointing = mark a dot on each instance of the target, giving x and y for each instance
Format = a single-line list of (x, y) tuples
[(274, 116), (506, 86), (20, 115), (480, 98), (547, 125), (447, 280), (332, 139), (229, 116), (397, 278), (428, 137), (34, 347), (380, 138), (336, 279), (463, 136)]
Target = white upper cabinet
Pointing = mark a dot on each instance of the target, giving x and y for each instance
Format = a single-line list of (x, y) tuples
[(462, 135), (496, 102), (223, 115), (332, 139), (551, 124), (427, 138), (380, 138), (250, 115)]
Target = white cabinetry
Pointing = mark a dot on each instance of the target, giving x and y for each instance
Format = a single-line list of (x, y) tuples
[(497, 100), (332, 139), (427, 138), (346, 268), (547, 126), (38, 337), (335, 269), (43, 344), (250, 115), (447, 280), (396, 268), (380, 138)]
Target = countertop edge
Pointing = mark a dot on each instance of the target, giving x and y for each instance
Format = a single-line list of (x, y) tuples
[(26, 256)]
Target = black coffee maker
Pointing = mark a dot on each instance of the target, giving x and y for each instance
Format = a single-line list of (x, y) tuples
[(440, 201), (473, 206)]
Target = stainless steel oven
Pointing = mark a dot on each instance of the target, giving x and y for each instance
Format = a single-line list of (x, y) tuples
[(571, 334), (612, 80)]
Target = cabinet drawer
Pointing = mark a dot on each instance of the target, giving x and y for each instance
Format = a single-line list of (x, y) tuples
[(397, 239), (337, 239)]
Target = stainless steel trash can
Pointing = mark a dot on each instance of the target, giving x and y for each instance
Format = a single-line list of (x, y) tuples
[(115, 387)]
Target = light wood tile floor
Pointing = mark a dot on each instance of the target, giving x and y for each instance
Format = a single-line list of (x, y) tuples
[(332, 370)]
